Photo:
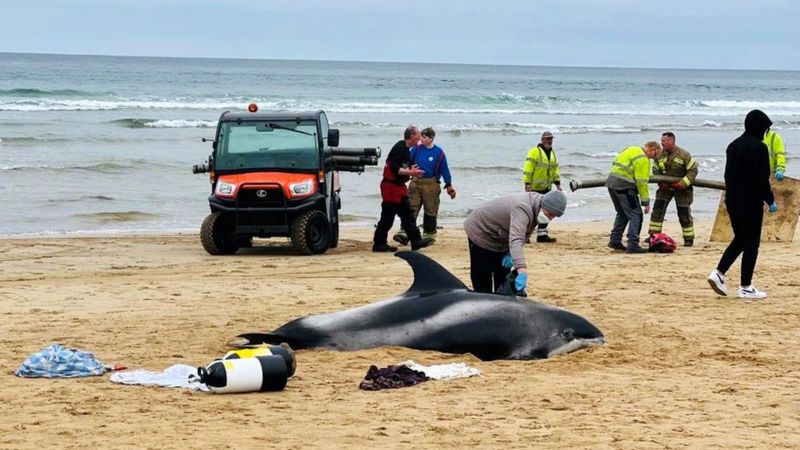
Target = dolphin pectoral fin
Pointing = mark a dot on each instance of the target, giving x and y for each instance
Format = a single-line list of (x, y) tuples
[(248, 340), (428, 274)]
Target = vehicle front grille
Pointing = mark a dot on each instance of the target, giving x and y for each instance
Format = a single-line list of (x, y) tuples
[(260, 198), (262, 219)]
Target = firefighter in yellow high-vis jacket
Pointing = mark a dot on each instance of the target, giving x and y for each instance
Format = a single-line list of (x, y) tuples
[(627, 186)]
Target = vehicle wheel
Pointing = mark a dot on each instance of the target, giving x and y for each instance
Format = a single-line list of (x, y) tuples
[(311, 233), (216, 234), (335, 227)]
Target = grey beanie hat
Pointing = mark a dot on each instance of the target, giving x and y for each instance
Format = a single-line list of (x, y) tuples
[(555, 202)]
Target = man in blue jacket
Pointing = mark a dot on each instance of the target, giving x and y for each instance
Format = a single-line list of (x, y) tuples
[(424, 192)]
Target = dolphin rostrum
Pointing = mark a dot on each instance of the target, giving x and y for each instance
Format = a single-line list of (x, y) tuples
[(438, 312)]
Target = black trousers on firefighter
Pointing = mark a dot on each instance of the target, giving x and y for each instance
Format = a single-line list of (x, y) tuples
[(486, 269), (388, 211), (746, 223), (683, 203)]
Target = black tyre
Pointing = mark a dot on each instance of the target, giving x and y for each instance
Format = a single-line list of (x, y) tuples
[(335, 226), (311, 233), (217, 236)]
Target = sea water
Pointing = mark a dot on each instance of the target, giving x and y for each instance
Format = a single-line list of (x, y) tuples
[(106, 144)]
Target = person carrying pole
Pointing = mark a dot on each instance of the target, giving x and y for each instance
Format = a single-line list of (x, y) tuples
[(675, 162), (627, 186)]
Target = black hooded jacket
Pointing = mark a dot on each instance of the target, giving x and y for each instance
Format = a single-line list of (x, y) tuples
[(747, 165)]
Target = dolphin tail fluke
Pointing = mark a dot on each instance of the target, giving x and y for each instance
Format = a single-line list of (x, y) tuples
[(249, 340), (428, 274)]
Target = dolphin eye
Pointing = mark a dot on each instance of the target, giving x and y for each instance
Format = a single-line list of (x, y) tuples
[(568, 333)]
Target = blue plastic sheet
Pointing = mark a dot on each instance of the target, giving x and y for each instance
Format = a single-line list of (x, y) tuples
[(57, 361)]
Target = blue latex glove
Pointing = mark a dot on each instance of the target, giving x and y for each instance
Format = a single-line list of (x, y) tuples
[(507, 261), (779, 175), (773, 207), (521, 282)]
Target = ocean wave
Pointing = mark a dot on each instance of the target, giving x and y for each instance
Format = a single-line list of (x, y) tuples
[(710, 164), (575, 167), (505, 98), (31, 140), (105, 167), (489, 169), (51, 140), (360, 124), (33, 92), (459, 129), (117, 216), (165, 123), (59, 201), (500, 127), (744, 104), (108, 105), (503, 103), (599, 155), (354, 218), (455, 213)]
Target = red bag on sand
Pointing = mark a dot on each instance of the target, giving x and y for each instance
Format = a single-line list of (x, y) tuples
[(662, 243)]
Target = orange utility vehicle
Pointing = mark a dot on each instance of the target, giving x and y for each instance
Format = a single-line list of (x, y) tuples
[(276, 174)]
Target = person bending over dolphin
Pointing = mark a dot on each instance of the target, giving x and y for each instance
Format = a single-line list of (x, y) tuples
[(497, 232)]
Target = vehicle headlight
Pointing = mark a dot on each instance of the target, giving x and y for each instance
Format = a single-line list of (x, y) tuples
[(225, 188), (303, 188)]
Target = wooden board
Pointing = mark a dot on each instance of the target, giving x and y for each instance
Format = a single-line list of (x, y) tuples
[(779, 227)]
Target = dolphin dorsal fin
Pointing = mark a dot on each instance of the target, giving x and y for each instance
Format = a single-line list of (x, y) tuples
[(428, 274)]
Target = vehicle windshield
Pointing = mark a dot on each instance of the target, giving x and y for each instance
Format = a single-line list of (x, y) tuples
[(267, 145)]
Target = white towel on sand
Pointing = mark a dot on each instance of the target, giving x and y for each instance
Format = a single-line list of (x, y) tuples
[(173, 376), (443, 371)]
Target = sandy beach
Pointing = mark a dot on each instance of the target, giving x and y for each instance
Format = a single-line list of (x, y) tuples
[(682, 369)]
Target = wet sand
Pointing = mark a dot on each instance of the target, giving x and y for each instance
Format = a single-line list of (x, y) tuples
[(683, 368)]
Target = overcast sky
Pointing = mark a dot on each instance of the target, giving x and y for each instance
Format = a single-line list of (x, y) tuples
[(724, 34)]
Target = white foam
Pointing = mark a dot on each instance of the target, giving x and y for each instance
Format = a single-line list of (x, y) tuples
[(750, 104), (180, 123), (685, 108)]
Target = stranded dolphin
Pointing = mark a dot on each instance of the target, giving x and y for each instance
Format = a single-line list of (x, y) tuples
[(440, 313)]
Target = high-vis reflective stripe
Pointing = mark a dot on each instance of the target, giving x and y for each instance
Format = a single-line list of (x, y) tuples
[(682, 165), (688, 232)]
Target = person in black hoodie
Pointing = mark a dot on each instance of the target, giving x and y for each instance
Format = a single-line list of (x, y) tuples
[(747, 190)]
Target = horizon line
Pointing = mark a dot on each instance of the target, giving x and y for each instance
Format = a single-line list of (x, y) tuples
[(390, 62)]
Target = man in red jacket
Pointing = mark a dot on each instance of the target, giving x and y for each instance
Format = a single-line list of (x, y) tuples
[(394, 194)]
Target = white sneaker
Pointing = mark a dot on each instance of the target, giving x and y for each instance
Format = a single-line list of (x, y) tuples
[(717, 282), (751, 292)]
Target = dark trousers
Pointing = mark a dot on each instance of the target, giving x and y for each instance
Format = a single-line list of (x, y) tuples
[(486, 266), (683, 203), (629, 213), (388, 211), (746, 223), (541, 229)]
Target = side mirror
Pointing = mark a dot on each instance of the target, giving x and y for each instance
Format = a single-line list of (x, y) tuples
[(333, 137)]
